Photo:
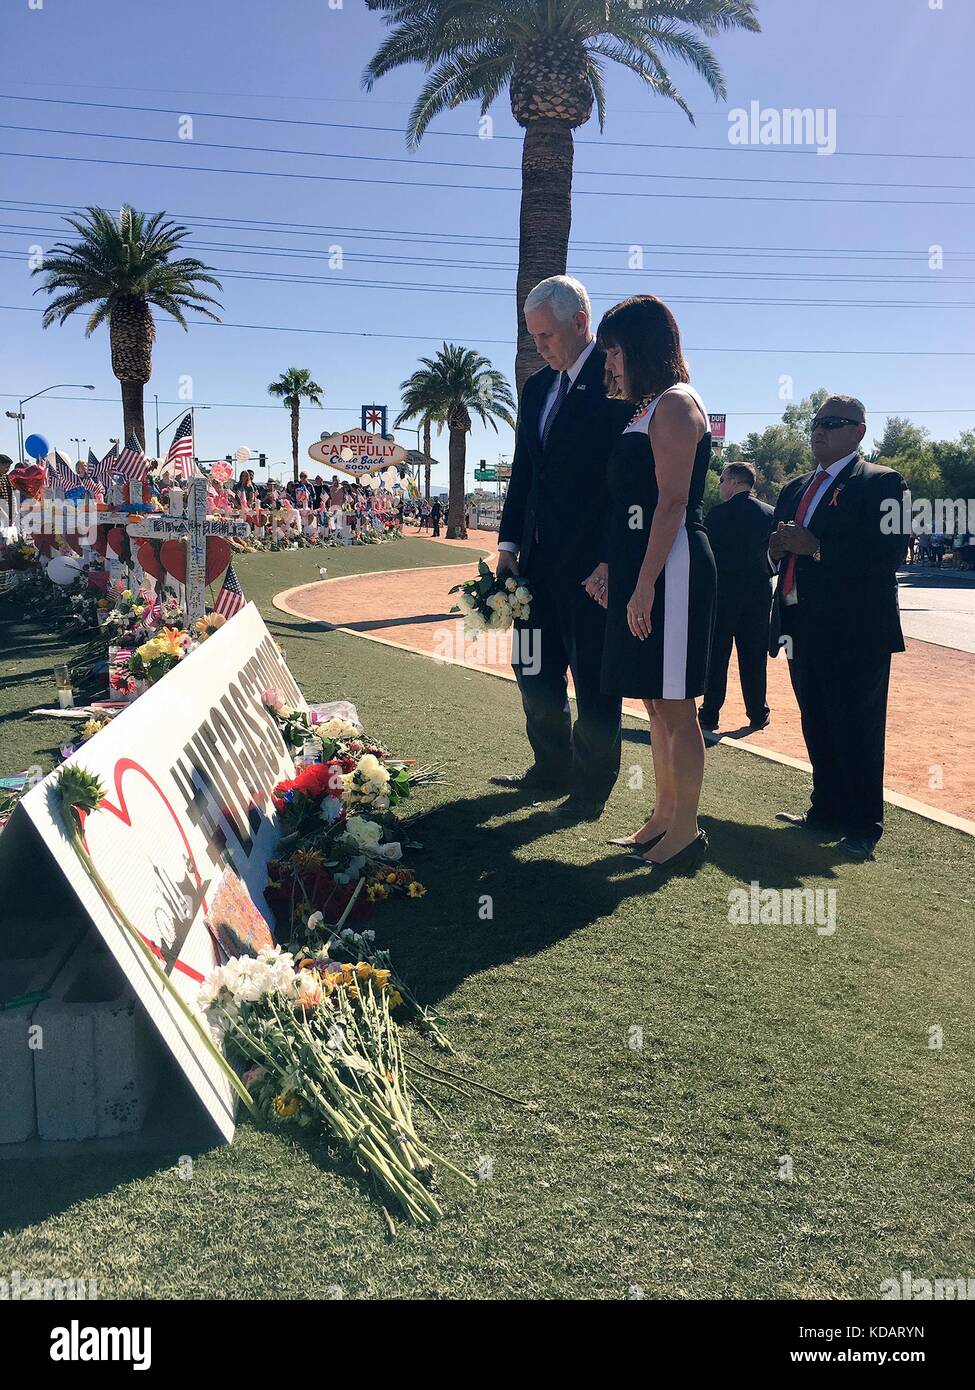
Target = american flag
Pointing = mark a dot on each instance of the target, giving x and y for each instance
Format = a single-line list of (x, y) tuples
[(60, 472), (230, 599), (181, 450), (131, 462), (104, 470)]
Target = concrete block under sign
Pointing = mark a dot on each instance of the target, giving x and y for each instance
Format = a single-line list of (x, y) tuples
[(96, 1069)]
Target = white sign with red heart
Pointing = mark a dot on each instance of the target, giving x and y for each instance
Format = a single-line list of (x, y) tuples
[(188, 771)]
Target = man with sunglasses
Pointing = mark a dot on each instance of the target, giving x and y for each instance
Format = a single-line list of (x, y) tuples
[(835, 614)]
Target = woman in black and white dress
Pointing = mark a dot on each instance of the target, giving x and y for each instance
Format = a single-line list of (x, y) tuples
[(661, 590)]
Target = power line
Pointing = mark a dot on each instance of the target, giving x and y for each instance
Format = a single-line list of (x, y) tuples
[(491, 188), (406, 105), (351, 410), (454, 164), (414, 262), (343, 281), (466, 135), (510, 342), (317, 229)]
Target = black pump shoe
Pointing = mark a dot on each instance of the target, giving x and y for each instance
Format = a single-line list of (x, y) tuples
[(686, 861), (637, 846)]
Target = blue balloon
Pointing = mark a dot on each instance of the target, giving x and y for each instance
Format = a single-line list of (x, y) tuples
[(37, 446), (75, 494)]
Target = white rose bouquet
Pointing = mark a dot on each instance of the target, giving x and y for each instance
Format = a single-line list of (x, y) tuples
[(490, 604)]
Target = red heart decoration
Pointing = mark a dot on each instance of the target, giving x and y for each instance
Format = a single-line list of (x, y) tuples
[(149, 560), (121, 811), (173, 556), (47, 545), (116, 538)]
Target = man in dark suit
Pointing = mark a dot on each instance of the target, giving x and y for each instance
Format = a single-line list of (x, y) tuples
[(738, 529), (553, 534), (838, 544)]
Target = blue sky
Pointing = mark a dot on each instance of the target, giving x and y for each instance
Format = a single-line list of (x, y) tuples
[(721, 226)]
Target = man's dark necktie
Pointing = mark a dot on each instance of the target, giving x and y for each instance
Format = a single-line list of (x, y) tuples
[(556, 406)]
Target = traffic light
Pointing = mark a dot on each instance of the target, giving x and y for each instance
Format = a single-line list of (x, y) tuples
[(229, 458), (262, 460)]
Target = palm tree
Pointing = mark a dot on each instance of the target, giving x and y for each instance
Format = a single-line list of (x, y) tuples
[(418, 405), (292, 387), (448, 389), (548, 53), (123, 266)]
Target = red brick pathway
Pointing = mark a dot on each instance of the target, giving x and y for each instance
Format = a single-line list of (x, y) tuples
[(931, 719)]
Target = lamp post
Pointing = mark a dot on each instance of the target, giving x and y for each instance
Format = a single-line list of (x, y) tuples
[(179, 416), (58, 386)]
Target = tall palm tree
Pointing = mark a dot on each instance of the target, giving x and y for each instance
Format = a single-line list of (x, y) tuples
[(418, 405), (292, 387), (123, 266), (450, 388), (549, 54)]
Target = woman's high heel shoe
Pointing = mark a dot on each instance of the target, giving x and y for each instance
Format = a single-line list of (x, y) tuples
[(637, 846), (686, 861)]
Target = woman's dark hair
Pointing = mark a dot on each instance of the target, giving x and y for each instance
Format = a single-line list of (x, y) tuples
[(646, 331)]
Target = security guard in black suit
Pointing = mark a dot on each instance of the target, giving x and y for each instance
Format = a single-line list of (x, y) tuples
[(839, 541), (738, 529)]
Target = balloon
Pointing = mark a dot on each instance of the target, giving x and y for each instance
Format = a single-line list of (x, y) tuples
[(64, 569), (75, 494), (37, 446), (242, 454)]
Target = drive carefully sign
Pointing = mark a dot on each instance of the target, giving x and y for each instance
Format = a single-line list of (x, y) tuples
[(356, 452)]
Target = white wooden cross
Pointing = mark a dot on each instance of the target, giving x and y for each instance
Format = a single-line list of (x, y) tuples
[(193, 524)]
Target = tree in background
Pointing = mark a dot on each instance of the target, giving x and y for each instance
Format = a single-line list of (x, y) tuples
[(450, 388), (291, 388), (123, 266), (550, 57)]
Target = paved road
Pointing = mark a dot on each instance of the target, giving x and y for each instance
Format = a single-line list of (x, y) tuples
[(938, 606)]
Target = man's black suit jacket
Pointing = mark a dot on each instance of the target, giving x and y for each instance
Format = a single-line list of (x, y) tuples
[(557, 505), (739, 531), (849, 596)]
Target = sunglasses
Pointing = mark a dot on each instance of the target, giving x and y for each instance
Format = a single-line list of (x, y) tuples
[(832, 422)]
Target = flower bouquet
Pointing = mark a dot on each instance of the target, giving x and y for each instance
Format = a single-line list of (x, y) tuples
[(321, 1049), (489, 603), (160, 654)]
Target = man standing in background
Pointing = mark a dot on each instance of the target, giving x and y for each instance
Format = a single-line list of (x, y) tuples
[(738, 529)]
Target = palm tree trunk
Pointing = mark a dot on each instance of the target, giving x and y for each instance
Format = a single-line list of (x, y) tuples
[(546, 215), (133, 417), (295, 408), (457, 455), (426, 450)]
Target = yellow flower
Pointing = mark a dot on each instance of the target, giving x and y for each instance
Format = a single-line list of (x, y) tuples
[(395, 999), (169, 642), (363, 970), (391, 878), (381, 978), (416, 890), (286, 1105)]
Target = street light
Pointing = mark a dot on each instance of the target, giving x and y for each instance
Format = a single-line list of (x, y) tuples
[(179, 416), (76, 440), (58, 386)]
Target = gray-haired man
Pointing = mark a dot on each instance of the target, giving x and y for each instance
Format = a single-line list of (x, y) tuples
[(566, 428)]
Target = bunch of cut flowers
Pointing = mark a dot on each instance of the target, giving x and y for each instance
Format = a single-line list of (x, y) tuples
[(489, 603), (321, 1049)]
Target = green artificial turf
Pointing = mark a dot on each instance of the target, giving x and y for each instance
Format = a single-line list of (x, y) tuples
[(671, 1062)]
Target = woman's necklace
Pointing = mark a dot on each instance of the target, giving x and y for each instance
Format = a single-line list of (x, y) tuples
[(642, 406)]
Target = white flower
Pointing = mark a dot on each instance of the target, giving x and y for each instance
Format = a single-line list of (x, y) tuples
[(497, 602), (331, 809), (370, 766), (522, 595), (465, 603), (511, 585), (393, 852), (365, 833)]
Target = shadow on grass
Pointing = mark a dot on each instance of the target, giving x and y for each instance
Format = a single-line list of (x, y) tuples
[(538, 899)]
